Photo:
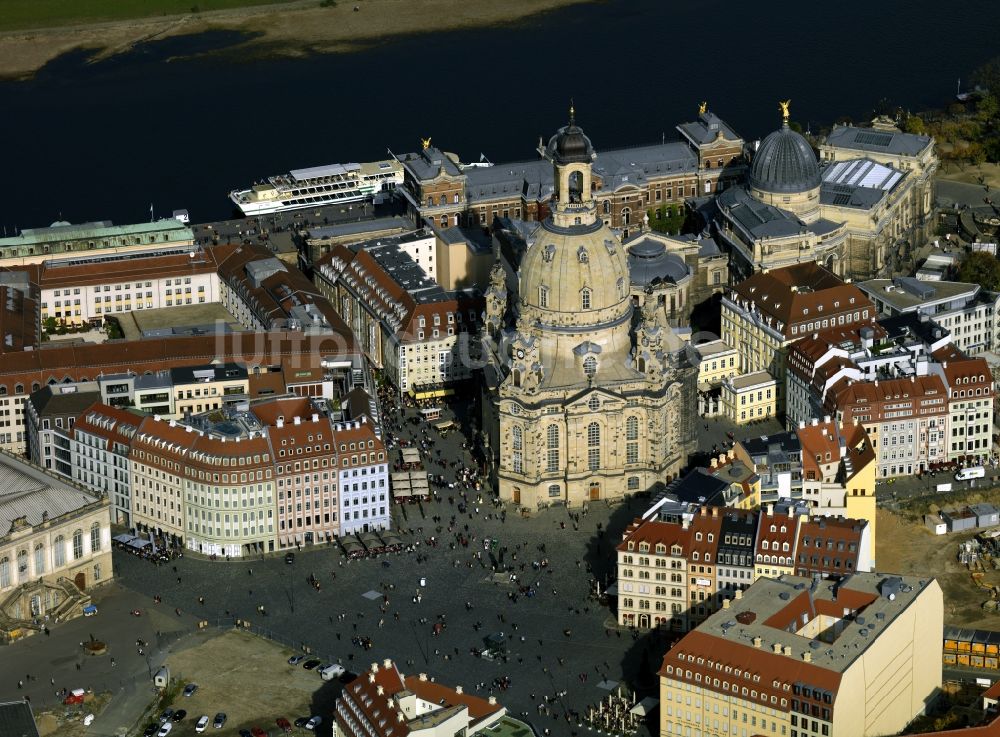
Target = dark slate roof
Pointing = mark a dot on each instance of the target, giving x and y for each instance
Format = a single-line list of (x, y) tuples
[(700, 487), (738, 523), (784, 162), (429, 163), (707, 128), (49, 403), (221, 372), (16, 720), (757, 219), (649, 263), (877, 141), (910, 324), (784, 442)]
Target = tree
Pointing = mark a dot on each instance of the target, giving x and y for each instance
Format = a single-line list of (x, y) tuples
[(915, 124), (988, 76), (49, 323), (981, 267), (987, 108)]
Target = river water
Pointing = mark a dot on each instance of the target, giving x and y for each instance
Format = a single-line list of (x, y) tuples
[(166, 126)]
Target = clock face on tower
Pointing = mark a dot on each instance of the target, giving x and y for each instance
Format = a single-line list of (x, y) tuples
[(520, 353)]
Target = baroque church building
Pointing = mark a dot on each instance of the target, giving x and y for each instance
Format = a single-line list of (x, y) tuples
[(590, 394)]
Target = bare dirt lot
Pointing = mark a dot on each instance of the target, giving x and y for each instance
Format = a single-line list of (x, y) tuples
[(250, 680), (904, 545), (288, 29)]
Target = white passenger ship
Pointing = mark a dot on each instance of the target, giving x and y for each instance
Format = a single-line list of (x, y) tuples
[(318, 186)]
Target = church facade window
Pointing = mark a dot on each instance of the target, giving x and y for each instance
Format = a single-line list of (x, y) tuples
[(585, 296), (552, 448), (593, 446), (543, 296), (632, 439), (590, 366), (517, 441)]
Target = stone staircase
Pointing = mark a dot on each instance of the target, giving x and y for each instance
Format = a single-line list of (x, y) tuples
[(71, 604)]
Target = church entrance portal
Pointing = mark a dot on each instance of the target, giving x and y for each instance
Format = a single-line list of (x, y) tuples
[(81, 581), (595, 492)]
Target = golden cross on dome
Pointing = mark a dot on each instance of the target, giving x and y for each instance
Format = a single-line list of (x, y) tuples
[(572, 112), (425, 142), (703, 108), (783, 106)]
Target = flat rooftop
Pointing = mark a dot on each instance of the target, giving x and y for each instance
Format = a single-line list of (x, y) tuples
[(774, 610), (176, 320), (758, 378)]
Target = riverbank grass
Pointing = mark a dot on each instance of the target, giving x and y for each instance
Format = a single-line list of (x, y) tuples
[(18, 15)]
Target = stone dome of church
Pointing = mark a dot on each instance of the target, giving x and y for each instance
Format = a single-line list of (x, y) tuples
[(563, 263), (649, 263), (570, 145), (784, 163)]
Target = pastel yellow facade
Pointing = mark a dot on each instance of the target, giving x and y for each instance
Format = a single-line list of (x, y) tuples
[(719, 361), (652, 576), (750, 397), (804, 664), (205, 396)]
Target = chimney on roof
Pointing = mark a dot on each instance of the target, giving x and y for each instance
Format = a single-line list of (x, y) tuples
[(173, 423), (315, 417), (731, 454), (374, 667), (944, 364), (770, 510), (757, 642), (297, 420), (492, 700), (788, 650), (422, 677), (814, 421), (380, 691), (725, 603), (802, 424), (913, 379), (715, 511), (280, 422), (387, 663), (371, 678), (458, 689), (826, 418), (714, 462), (777, 648), (738, 594), (807, 657)]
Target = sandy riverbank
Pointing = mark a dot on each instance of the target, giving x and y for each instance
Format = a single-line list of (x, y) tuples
[(294, 29)]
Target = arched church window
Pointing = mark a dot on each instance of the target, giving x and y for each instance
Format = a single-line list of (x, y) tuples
[(626, 216), (621, 288), (607, 207), (552, 447), (543, 296), (518, 456), (590, 366), (581, 254), (585, 299), (575, 183), (593, 446), (632, 438)]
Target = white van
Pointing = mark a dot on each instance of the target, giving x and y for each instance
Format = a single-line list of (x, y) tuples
[(972, 472), (331, 671)]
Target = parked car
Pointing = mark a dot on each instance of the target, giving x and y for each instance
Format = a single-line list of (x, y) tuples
[(165, 729), (178, 715), (289, 558), (296, 659), (283, 724), (329, 672), (301, 721), (150, 730), (201, 724), (220, 720), (257, 732), (190, 689), (310, 664), (167, 715), (314, 722), (245, 733)]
